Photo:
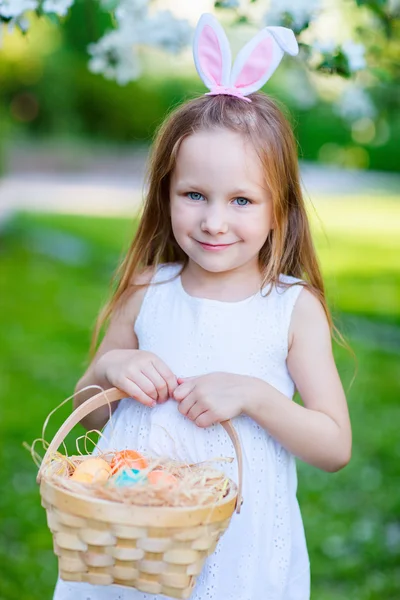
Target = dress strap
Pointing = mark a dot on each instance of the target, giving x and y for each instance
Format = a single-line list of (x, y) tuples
[(288, 293), (165, 272)]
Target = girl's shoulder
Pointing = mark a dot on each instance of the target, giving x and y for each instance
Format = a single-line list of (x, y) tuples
[(287, 288), (150, 283), (144, 277), (300, 292), (143, 284), (129, 303), (165, 272), (299, 304), (309, 317), (287, 281), (155, 274)]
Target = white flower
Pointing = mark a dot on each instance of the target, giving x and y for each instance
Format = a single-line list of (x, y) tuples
[(355, 54), (60, 7), (301, 11), (114, 58), (21, 22), (394, 6), (161, 29), (133, 10), (354, 104), (15, 8), (115, 54), (325, 46), (164, 31)]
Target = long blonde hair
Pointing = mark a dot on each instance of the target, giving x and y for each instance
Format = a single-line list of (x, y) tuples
[(288, 249)]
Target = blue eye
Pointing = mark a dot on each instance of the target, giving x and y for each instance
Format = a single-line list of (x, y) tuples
[(242, 201), (195, 196)]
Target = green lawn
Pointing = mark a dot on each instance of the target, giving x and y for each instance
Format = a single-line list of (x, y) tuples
[(55, 272)]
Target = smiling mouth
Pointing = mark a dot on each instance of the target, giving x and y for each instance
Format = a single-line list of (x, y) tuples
[(214, 247)]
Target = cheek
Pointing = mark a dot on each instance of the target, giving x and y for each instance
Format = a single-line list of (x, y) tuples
[(257, 226), (174, 212), (180, 218), (266, 220)]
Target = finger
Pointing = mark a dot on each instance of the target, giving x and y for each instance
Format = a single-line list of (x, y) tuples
[(134, 391), (158, 381), (195, 411), (166, 374), (206, 419), (183, 379), (183, 390), (145, 384), (186, 404)]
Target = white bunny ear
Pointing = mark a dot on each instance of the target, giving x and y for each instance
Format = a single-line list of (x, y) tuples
[(259, 58), (211, 52), (286, 39)]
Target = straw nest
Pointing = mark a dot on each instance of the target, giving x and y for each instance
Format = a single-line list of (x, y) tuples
[(190, 485)]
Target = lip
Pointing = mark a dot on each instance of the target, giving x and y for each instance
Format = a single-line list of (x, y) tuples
[(214, 247)]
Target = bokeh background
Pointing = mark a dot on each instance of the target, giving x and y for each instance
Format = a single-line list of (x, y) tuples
[(73, 148)]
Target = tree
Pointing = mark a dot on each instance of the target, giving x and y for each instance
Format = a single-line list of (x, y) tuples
[(364, 55)]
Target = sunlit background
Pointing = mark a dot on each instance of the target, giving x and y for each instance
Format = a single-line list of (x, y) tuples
[(73, 149)]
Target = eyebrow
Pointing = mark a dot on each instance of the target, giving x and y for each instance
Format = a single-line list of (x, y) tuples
[(236, 192)]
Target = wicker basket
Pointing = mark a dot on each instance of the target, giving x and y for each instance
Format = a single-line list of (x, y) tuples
[(159, 550)]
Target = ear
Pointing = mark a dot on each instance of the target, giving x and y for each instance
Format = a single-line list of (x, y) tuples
[(211, 52), (285, 38), (259, 58)]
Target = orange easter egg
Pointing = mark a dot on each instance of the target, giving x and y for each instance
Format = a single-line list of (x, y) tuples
[(128, 459), (158, 476), (82, 477), (92, 470)]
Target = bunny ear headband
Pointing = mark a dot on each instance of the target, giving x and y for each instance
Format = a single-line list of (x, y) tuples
[(253, 66)]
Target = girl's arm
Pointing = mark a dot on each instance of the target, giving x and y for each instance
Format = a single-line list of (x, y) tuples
[(119, 335), (318, 432)]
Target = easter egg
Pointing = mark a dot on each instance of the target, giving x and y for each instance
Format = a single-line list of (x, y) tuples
[(161, 477), (82, 477), (128, 459), (127, 477), (92, 470)]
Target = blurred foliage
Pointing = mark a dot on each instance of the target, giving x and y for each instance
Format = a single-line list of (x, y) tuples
[(47, 90), (55, 272), (359, 245)]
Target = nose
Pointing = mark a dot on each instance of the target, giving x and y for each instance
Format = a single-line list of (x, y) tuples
[(214, 219)]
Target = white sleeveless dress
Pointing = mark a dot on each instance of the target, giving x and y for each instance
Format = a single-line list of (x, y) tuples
[(263, 553)]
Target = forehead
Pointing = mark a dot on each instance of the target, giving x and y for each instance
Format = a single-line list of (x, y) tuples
[(220, 153)]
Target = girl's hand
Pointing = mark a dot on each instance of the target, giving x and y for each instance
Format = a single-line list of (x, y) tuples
[(142, 375), (211, 398)]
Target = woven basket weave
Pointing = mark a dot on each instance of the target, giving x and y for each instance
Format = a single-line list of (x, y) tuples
[(159, 550)]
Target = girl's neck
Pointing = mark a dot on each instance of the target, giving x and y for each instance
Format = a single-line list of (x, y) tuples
[(227, 286)]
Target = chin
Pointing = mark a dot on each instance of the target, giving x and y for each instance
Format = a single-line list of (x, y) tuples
[(215, 266)]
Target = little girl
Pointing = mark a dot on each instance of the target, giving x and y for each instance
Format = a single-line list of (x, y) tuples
[(219, 314)]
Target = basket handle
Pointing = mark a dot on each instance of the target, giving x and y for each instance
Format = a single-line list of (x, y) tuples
[(112, 395)]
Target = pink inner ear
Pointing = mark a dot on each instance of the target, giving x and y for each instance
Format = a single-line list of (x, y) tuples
[(257, 64), (210, 55)]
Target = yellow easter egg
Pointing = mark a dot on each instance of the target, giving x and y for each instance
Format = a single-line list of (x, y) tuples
[(92, 470)]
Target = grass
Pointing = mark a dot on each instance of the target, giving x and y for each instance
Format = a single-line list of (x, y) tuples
[(55, 272)]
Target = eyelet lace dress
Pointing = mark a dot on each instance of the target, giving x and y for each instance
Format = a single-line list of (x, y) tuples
[(263, 553)]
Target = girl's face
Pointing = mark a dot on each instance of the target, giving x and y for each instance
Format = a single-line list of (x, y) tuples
[(221, 211)]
